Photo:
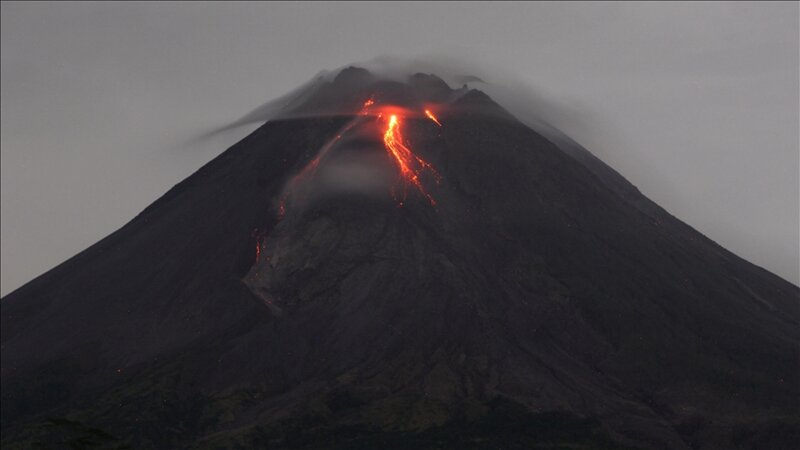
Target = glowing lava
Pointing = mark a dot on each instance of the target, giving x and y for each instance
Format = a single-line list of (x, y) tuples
[(367, 104), (411, 165), (432, 117)]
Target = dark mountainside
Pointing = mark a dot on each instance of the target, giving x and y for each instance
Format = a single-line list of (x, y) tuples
[(282, 297)]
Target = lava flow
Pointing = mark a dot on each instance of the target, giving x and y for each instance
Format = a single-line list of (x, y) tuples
[(411, 165), (432, 117)]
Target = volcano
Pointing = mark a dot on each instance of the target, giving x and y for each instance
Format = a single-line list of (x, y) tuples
[(402, 264)]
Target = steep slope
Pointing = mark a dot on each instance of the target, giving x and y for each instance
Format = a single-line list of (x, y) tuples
[(299, 291)]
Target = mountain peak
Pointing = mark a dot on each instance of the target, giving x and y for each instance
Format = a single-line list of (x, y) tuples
[(386, 261)]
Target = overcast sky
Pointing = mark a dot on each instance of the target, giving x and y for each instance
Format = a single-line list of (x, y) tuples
[(696, 104)]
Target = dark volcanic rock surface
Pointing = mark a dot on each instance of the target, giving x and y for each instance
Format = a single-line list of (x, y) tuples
[(543, 302)]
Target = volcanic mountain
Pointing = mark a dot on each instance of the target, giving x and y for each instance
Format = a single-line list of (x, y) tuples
[(401, 264)]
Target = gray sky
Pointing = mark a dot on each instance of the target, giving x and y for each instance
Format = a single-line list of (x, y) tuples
[(696, 104)]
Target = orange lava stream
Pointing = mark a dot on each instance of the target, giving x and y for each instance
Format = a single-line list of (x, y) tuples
[(410, 164), (432, 117)]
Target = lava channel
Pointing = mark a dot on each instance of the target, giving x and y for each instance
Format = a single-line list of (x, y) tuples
[(411, 166)]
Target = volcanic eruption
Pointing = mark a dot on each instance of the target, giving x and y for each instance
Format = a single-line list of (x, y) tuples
[(397, 263)]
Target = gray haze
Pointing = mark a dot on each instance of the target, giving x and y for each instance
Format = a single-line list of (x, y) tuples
[(696, 104)]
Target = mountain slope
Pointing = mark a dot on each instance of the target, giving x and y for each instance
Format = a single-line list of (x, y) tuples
[(297, 291)]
